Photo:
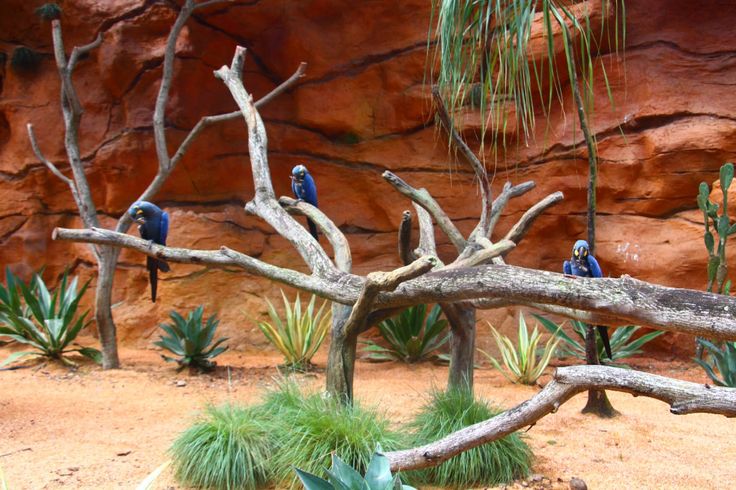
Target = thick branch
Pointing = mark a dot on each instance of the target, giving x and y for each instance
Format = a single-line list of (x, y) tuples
[(631, 301), (483, 226), (517, 232), (51, 166), (583, 316), (486, 254), (340, 245), (427, 244), (683, 397), (264, 204), (509, 192), (425, 200)]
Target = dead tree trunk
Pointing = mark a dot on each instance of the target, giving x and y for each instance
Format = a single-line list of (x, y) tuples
[(598, 402), (461, 318), (107, 258)]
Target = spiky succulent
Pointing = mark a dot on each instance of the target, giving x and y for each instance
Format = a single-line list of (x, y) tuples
[(191, 340)]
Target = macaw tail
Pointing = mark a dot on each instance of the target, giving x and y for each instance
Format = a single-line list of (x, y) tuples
[(606, 342), (312, 229), (152, 266), (163, 266)]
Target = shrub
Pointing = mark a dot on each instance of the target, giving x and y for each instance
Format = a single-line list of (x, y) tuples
[(495, 463), (522, 359), (621, 346), (46, 321), (308, 428), (49, 11), (299, 335), (343, 476), (721, 359), (24, 59), (228, 448), (412, 336), (190, 340)]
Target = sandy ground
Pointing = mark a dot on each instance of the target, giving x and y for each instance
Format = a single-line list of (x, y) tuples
[(90, 429)]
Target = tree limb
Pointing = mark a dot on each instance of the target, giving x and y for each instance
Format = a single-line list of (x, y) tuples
[(627, 299), (264, 203), (425, 200), (51, 166), (483, 226), (517, 232), (509, 192), (682, 396)]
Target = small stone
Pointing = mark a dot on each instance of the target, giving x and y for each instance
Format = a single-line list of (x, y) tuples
[(577, 484), (73, 468), (536, 477), (181, 383)]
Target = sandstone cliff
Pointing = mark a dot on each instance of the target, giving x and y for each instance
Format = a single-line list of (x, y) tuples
[(363, 108)]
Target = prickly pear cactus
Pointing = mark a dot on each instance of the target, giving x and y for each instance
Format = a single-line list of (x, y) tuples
[(717, 265)]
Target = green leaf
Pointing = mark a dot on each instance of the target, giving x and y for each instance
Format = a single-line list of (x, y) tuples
[(91, 353), (378, 473), (313, 482), (709, 242), (15, 356)]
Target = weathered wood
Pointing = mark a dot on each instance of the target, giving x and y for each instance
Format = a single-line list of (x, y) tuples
[(406, 254), (624, 299), (682, 396)]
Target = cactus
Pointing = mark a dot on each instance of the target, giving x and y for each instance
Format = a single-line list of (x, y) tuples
[(717, 265)]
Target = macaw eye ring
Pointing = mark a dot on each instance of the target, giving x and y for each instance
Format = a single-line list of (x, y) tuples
[(585, 253), (138, 211), (577, 253)]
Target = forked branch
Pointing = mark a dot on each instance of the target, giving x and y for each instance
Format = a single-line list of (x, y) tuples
[(683, 397)]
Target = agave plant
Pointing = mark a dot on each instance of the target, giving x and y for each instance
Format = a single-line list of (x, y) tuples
[(46, 321), (342, 476), (191, 341), (299, 334), (621, 344), (412, 336), (720, 359), (522, 361)]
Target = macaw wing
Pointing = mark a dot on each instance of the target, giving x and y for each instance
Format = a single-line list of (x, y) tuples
[(295, 189), (164, 227), (309, 188), (595, 268), (567, 268)]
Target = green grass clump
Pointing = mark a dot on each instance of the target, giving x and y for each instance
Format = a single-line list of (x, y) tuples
[(49, 11), (229, 448), (25, 59), (307, 428), (495, 463)]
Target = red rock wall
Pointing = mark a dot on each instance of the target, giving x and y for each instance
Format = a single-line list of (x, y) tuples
[(362, 108)]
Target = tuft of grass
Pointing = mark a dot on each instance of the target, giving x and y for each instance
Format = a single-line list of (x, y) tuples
[(24, 59), (49, 11), (495, 463), (228, 448), (308, 427)]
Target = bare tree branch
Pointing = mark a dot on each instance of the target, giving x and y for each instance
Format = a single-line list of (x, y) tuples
[(517, 232), (51, 166), (340, 245), (80, 51), (427, 245), (483, 226), (683, 397), (425, 200), (209, 120), (486, 254), (630, 300), (508, 193), (264, 203)]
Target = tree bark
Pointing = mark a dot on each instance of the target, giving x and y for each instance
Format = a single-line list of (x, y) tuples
[(462, 345), (598, 402), (106, 264), (341, 356)]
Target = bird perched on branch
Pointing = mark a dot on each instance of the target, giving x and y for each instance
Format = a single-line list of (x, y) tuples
[(583, 264), (304, 189), (153, 224)]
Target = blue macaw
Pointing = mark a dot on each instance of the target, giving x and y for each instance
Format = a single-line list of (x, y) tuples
[(304, 189), (153, 224), (583, 264)]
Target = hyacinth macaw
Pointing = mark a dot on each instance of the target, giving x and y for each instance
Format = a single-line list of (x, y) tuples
[(153, 224), (304, 189), (583, 264)]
